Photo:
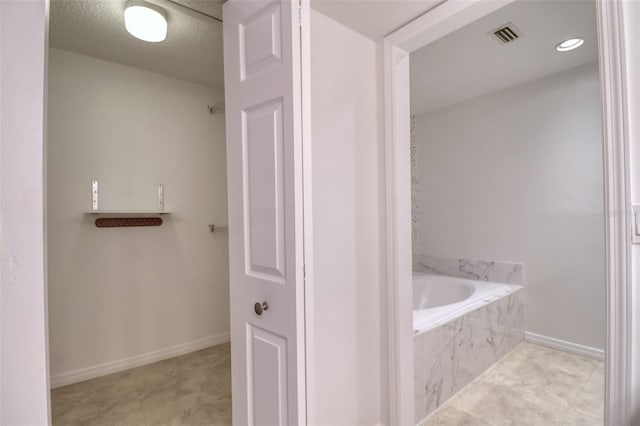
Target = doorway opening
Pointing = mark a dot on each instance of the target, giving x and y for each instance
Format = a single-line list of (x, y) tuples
[(138, 263), (502, 139), (508, 216)]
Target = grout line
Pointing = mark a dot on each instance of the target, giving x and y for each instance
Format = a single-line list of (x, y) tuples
[(489, 374), (484, 374)]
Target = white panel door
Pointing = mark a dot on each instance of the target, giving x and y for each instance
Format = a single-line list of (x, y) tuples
[(264, 167)]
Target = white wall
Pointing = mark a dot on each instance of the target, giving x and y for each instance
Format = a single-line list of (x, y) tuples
[(24, 394), (122, 292), (517, 176), (348, 193)]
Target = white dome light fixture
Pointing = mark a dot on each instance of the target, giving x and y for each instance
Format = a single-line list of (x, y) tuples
[(570, 44), (145, 21)]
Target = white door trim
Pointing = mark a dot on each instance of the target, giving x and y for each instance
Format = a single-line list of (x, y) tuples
[(613, 82), (305, 69), (431, 26)]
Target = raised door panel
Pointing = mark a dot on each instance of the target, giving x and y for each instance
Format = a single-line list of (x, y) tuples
[(267, 374), (260, 41), (264, 191)]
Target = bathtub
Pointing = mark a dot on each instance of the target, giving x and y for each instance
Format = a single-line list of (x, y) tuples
[(438, 299), (461, 328)]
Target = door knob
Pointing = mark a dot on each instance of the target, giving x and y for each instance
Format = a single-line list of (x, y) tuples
[(260, 307)]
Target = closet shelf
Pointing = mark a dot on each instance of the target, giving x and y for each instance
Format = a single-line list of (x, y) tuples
[(128, 212)]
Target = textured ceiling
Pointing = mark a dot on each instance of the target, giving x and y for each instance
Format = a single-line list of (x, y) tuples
[(373, 18), (210, 7), (192, 50), (469, 62)]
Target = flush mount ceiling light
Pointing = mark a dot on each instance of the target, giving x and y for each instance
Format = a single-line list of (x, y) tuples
[(570, 44), (145, 21)]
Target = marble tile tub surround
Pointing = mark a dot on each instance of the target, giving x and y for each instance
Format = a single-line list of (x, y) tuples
[(480, 270), (414, 191), (449, 357)]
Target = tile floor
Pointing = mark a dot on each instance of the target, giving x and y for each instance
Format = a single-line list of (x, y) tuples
[(532, 385), (193, 389)]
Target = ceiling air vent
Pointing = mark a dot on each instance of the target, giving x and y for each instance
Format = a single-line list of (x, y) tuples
[(506, 33)]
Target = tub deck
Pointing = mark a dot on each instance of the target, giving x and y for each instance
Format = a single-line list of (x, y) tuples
[(485, 293)]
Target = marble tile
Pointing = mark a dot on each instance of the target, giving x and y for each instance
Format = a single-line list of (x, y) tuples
[(591, 399), (193, 389), (448, 416), (479, 270), (571, 381), (414, 191), (449, 357), (532, 385), (500, 404), (531, 367)]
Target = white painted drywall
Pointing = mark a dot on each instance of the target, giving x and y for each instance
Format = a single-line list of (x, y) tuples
[(122, 292), (24, 394), (347, 249), (517, 176), (374, 19)]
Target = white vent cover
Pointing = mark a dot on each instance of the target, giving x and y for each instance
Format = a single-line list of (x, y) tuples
[(506, 33)]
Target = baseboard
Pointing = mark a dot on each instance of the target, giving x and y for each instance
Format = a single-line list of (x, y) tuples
[(563, 345), (111, 367)]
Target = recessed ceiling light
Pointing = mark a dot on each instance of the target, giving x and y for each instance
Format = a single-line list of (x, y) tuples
[(570, 44), (145, 21)]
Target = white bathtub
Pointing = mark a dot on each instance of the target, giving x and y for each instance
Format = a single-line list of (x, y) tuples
[(438, 299)]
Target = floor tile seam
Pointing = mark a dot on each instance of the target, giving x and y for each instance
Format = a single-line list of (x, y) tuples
[(469, 385), (531, 392), (592, 374), (590, 415), (474, 415), (471, 413), (580, 383), (452, 399), (554, 351), (444, 404), (584, 382)]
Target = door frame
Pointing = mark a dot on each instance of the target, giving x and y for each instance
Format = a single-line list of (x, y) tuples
[(434, 24)]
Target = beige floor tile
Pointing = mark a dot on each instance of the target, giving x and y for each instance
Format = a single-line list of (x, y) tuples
[(499, 404), (193, 389), (533, 386), (449, 416), (530, 386)]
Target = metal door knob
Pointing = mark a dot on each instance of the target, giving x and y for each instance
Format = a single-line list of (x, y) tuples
[(260, 307)]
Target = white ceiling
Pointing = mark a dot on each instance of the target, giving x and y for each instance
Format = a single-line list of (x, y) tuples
[(373, 18), (192, 50), (470, 63)]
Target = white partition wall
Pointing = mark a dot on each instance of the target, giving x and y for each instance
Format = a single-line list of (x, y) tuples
[(347, 329), (24, 382)]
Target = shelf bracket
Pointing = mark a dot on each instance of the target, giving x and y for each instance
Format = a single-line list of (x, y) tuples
[(161, 197), (94, 195)]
